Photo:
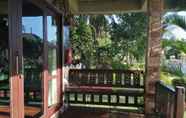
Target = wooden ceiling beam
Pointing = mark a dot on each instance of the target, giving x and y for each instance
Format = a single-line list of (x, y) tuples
[(73, 5), (106, 6)]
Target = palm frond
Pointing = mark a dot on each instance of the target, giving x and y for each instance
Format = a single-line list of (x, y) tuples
[(176, 20)]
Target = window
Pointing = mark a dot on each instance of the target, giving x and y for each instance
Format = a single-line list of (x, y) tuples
[(52, 35), (33, 49)]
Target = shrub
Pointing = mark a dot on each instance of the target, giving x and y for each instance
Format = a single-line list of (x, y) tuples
[(166, 78)]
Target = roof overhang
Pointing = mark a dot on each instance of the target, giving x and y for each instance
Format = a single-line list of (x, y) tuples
[(118, 6), (106, 6)]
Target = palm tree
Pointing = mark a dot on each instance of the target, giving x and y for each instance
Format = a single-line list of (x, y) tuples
[(175, 19), (178, 22), (100, 23)]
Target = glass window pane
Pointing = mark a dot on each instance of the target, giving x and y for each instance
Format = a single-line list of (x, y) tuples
[(52, 95), (52, 36), (32, 33), (4, 61), (52, 30), (52, 61), (66, 36)]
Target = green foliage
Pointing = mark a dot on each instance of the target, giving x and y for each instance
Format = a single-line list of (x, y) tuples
[(100, 24), (139, 66), (118, 65), (173, 48), (82, 42), (176, 44), (166, 78), (173, 70), (176, 20), (102, 43), (129, 36)]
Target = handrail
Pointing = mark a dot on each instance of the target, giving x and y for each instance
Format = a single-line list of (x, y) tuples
[(108, 70)]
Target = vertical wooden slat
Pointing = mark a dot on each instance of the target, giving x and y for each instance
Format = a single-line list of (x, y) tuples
[(137, 79), (100, 78), (127, 79), (180, 102), (118, 78), (109, 78)]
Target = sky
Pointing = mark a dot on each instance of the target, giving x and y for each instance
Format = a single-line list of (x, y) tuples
[(34, 25)]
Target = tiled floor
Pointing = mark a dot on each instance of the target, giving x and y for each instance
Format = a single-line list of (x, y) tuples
[(79, 113)]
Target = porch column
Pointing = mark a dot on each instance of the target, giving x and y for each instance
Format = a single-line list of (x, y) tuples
[(155, 8)]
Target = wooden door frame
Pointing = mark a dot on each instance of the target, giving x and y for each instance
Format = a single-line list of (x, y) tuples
[(16, 62), (46, 7), (54, 108), (15, 59)]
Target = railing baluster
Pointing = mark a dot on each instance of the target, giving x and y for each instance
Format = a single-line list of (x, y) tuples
[(118, 79)]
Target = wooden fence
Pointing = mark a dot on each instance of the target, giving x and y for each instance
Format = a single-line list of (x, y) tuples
[(169, 101)]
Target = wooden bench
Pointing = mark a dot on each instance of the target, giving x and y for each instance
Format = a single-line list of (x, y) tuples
[(122, 89)]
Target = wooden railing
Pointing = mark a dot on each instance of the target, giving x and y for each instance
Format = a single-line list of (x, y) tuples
[(107, 88), (169, 102), (32, 87)]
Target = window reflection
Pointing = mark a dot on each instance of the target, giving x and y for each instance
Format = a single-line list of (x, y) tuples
[(4, 70), (4, 61), (66, 37), (52, 59), (33, 62), (4, 67), (33, 25), (52, 30)]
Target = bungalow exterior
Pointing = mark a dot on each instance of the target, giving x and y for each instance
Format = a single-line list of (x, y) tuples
[(32, 54)]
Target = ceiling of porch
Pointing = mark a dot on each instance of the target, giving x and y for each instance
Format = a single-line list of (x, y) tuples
[(3, 7), (106, 6)]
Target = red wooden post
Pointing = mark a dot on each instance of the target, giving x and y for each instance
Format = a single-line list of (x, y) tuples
[(180, 102), (69, 56)]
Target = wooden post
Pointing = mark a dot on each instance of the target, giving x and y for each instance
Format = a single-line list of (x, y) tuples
[(155, 8), (15, 59), (180, 102)]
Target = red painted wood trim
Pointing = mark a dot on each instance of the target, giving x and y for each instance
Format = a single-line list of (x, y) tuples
[(15, 44)]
